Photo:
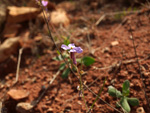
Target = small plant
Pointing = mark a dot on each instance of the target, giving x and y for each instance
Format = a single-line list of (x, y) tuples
[(125, 101), (86, 60)]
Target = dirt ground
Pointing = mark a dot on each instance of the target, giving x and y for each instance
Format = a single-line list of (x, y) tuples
[(109, 43)]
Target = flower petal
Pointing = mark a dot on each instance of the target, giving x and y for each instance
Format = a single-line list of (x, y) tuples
[(72, 50), (78, 49), (63, 46), (71, 46), (44, 3)]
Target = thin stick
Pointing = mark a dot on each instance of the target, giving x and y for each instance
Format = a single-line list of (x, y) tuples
[(89, 42), (97, 96), (81, 88), (100, 19), (118, 27), (18, 65), (140, 71), (86, 87)]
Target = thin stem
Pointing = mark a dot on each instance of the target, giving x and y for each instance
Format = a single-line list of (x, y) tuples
[(140, 71), (18, 65), (81, 87), (98, 95), (86, 87)]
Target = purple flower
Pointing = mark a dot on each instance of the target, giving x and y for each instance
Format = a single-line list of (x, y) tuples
[(72, 49), (44, 3)]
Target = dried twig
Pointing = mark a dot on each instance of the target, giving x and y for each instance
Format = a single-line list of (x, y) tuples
[(101, 99), (116, 29), (18, 65), (89, 43), (140, 71)]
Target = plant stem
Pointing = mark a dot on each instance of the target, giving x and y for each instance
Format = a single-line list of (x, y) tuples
[(81, 87), (98, 95), (140, 71)]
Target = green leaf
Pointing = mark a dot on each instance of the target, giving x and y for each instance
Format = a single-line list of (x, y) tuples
[(66, 41), (65, 73), (133, 101), (58, 52), (57, 58), (118, 104), (114, 92), (125, 104), (126, 88), (62, 66), (79, 60), (88, 60)]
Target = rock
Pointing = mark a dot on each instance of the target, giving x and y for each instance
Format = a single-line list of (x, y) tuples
[(114, 43), (140, 110), (18, 94), (59, 17), (21, 14), (24, 107), (8, 48), (11, 30)]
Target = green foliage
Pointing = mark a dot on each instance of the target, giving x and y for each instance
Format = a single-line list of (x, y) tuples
[(59, 58), (125, 101), (124, 104), (133, 101), (62, 66), (66, 41), (126, 88), (65, 73), (114, 92), (87, 60)]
